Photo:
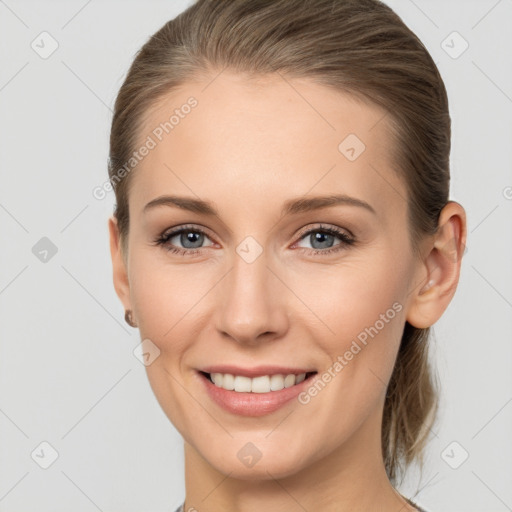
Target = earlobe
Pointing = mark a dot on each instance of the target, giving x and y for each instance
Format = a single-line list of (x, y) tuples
[(440, 269), (119, 270)]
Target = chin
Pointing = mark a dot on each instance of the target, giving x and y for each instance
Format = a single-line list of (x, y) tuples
[(244, 459), (262, 470)]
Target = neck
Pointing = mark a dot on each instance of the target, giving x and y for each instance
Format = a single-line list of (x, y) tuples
[(350, 478)]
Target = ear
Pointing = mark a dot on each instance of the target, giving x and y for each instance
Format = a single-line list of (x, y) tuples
[(440, 269), (119, 267)]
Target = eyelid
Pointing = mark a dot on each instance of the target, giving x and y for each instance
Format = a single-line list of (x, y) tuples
[(325, 227), (168, 233)]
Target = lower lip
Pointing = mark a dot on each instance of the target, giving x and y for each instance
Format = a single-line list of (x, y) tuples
[(252, 404)]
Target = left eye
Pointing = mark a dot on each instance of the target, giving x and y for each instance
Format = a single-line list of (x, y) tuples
[(324, 238)]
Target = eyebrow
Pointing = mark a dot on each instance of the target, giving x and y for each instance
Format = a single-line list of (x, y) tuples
[(291, 207)]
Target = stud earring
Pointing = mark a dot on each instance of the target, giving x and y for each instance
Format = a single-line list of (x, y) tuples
[(128, 318)]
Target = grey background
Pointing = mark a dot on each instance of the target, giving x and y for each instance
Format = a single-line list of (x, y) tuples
[(68, 376)]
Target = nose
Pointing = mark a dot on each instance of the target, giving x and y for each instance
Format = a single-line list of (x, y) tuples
[(251, 304)]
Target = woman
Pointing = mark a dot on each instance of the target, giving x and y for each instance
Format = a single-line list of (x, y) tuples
[(283, 239)]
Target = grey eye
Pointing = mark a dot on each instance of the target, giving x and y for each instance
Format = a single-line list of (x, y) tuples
[(188, 239), (320, 240)]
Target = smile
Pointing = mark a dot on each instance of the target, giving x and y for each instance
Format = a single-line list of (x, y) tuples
[(257, 394), (260, 384)]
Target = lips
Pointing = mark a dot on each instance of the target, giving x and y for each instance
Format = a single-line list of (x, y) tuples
[(264, 399)]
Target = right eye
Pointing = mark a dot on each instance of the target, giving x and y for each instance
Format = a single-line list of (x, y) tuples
[(183, 240)]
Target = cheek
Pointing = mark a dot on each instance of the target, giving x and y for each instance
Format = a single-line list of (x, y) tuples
[(361, 307), (166, 300), (345, 300), (166, 297)]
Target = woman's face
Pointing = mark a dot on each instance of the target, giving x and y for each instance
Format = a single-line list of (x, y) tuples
[(270, 278)]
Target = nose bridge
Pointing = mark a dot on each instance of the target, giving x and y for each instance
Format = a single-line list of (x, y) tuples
[(251, 305)]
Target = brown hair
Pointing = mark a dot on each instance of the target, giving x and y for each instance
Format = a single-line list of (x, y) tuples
[(360, 47)]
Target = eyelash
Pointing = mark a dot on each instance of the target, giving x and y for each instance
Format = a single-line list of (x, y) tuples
[(346, 240)]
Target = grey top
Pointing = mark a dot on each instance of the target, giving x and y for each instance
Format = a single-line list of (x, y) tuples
[(181, 509)]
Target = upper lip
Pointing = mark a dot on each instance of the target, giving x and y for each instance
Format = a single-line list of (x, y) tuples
[(256, 371)]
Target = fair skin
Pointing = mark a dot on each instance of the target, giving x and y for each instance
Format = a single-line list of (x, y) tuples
[(247, 149)]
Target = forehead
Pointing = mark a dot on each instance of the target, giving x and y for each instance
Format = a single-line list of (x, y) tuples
[(265, 138)]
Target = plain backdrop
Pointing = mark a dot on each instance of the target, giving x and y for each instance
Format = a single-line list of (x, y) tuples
[(72, 395)]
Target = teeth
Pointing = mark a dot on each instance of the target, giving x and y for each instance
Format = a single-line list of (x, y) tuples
[(242, 384), (228, 381), (262, 384)]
